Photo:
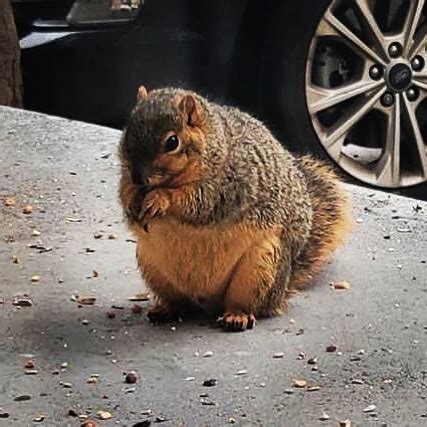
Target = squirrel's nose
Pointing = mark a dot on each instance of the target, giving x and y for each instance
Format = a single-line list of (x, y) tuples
[(139, 176)]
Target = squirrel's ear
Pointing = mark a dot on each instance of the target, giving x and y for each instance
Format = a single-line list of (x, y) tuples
[(142, 93), (191, 110)]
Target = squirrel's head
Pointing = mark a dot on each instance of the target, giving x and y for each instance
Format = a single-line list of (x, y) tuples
[(164, 140)]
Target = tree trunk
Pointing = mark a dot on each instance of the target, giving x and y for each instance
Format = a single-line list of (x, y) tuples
[(10, 69)]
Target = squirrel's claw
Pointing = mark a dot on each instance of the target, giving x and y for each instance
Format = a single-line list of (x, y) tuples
[(154, 204), (231, 322)]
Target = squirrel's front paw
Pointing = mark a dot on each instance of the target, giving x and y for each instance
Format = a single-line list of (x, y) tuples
[(133, 207), (155, 203), (233, 322)]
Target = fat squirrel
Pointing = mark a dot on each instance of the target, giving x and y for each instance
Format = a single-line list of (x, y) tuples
[(226, 219)]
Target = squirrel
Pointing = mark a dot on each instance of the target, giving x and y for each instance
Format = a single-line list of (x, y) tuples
[(226, 219)]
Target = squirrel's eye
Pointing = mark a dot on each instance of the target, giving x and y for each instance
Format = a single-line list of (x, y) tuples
[(172, 144)]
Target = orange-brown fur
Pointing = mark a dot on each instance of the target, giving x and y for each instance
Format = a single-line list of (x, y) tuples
[(229, 221)]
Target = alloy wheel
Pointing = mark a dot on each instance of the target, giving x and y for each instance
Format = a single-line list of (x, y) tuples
[(366, 89)]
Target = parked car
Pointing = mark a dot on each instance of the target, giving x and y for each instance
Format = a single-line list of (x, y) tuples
[(345, 79)]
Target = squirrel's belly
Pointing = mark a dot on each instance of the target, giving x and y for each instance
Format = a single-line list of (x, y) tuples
[(198, 262)]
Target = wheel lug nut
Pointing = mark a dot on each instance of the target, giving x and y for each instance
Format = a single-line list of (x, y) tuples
[(387, 100), (418, 63), (395, 50), (375, 72), (412, 93)]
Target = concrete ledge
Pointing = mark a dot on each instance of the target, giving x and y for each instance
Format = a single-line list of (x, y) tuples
[(68, 172)]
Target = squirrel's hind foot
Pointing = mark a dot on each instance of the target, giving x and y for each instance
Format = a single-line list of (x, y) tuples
[(232, 322), (162, 313)]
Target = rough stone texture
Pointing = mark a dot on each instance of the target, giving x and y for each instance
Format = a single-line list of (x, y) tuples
[(57, 166)]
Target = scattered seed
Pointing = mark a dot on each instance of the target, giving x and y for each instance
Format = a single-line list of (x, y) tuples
[(278, 355), (136, 309), (85, 322), (190, 379), (23, 398), (97, 235), (345, 423), (313, 388), (22, 301), (29, 364), (207, 402), (208, 354), (112, 236), (86, 300), (210, 383), (15, 259), (104, 415), (9, 202), (69, 219), (64, 365), (35, 279), (331, 348), (67, 385), (39, 418), (27, 210), (341, 285), (324, 417), (92, 380), (300, 383), (111, 314), (140, 297), (31, 372), (404, 230), (288, 391), (242, 372), (131, 378), (370, 408), (312, 361), (356, 381)]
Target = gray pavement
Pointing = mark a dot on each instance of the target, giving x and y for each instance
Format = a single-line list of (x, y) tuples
[(67, 171)]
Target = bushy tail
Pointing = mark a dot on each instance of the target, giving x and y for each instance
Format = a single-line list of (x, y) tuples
[(332, 220)]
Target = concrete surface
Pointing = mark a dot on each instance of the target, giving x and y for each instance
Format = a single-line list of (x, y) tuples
[(68, 172)]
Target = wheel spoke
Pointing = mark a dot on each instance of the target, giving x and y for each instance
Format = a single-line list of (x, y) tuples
[(416, 133), (388, 169), (344, 125), (411, 23), (371, 27), (422, 85), (330, 25), (419, 42), (319, 99)]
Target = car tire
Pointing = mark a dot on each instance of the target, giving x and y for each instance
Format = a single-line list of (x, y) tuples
[(283, 87)]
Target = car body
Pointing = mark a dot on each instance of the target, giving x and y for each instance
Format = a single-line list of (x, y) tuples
[(297, 65)]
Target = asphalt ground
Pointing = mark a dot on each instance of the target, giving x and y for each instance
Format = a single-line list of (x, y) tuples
[(358, 354)]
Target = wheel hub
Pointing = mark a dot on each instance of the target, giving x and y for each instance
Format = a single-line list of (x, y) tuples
[(399, 77)]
